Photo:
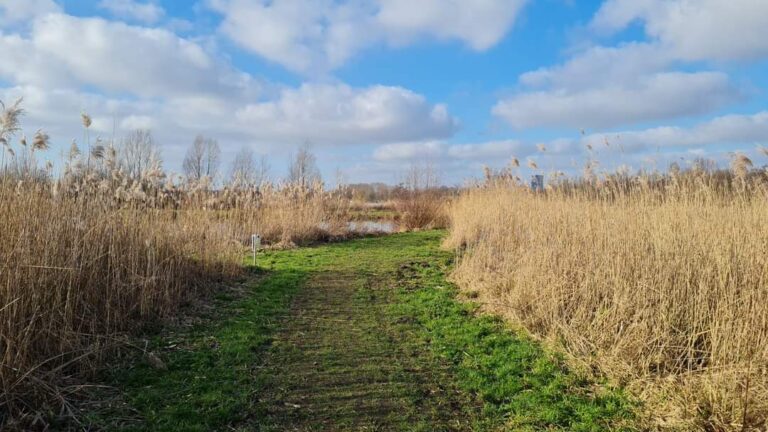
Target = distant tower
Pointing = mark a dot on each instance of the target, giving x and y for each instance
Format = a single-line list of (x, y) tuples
[(537, 183)]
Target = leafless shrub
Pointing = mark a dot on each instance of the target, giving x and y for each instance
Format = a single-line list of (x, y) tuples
[(420, 201)]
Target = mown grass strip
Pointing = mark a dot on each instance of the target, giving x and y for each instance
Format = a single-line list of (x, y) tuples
[(213, 381), (523, 386), (208, 383)]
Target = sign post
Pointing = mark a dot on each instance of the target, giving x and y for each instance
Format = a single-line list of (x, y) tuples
[(255, 245)]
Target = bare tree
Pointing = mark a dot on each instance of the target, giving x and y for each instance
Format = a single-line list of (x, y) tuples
[(243, 167), (262, 171), (421, 177), (193, 160), (137, 151), (704, 165), (246, 170), (202, 159), (303, 168), (213, 158)]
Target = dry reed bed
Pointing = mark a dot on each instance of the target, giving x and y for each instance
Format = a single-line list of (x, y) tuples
[(104, 248), (422, 209), (92, 255), (663, 287)]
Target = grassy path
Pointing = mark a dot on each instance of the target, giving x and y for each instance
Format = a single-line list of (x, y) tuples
[(363, 335), (343, 363)]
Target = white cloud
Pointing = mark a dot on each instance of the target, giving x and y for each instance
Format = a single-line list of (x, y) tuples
[(480, 23), (299, 34), (444, 152), (328, 116), (694, 29), (58, 111), (137, 122), (138, 77), (488, 150), (656, 147), (713, 138), (184, 87), (597, 66), (19, 11), (339, 114), (409, 151), (115, 57), (148, 13), (653, 97), (636, 82), (23, 63), (316, 36), (732, 129)]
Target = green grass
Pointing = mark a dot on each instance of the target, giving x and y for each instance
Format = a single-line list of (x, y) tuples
[(221, 372), (522, 385), (207, 384)]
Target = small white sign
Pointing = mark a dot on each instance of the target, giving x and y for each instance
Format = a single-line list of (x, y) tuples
[(255, 246)]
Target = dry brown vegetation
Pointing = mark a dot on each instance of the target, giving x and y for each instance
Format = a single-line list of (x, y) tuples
[(100, 250), (109, 242), (420, 201), (659, 281), (86, 258), (419, 209)]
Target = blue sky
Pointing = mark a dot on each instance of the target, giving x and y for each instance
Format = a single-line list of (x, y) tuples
[(378, 85)]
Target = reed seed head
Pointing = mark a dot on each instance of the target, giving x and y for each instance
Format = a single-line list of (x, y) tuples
[(740, 165), (41, 141), (87, 121)]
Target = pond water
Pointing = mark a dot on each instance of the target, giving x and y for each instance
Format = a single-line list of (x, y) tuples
[(368, 227), (387, 227)]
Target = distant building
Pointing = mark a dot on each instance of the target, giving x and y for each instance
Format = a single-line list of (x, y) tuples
[(537, 183)]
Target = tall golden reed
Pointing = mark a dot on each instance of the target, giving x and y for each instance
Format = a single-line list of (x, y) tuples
[(659, 281), (84, 260), (94, 253)]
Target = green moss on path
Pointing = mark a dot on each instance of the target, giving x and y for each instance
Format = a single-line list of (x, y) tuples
[(361, 335)]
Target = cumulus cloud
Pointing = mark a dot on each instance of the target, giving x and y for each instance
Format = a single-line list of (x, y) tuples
[(442, 151), (633, 82), (479, 24), (735, 129), (118, 57), (656, 146), (599, 65), (487, 150), (148, 13), (130, 77), (133, 122), (694, 30), (19, 11), (115, 57), (733, 132), (58, 111), (298, 34), (340, 114), (316, 36), (326, 115), (409, 151), (653, 97)]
